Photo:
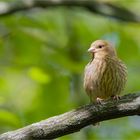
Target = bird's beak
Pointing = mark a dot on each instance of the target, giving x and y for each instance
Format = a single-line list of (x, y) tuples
[(91, 50)]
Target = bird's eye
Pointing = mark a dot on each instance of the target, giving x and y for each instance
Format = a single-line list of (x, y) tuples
[(100, 46)]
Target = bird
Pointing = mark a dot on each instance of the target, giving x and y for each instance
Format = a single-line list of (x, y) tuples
[(105, 75)]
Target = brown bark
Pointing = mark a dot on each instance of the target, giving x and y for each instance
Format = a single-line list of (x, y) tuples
[(77, 119), (102, 8)]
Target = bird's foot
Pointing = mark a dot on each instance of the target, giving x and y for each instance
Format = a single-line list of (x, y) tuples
[(116, 97), (99, 100)]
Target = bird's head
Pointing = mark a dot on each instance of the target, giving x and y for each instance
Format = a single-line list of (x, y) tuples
[(102, 48)]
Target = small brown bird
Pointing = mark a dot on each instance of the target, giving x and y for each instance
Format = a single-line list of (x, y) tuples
[(105, 75)]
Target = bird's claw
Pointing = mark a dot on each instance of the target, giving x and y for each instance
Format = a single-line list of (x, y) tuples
[(99, 100), (116, 97)]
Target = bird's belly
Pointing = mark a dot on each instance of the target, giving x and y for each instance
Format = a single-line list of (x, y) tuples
[(92, 84), (98, 89), (103, 84)]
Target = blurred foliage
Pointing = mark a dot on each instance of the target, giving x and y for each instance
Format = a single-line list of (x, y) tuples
[(42, 57)]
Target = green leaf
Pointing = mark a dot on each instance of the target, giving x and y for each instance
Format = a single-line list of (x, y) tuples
[(38, 75), (8, 118)]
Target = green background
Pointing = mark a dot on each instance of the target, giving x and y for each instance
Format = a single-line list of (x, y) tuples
[(43, 53)]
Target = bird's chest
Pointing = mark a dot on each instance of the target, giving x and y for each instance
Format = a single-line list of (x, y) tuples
[(101, 77), (93, 74)]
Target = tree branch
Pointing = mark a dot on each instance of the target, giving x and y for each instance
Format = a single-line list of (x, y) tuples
[(75, 120), (102, 8)]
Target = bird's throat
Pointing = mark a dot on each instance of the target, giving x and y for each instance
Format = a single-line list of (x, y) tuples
[(92, 58)]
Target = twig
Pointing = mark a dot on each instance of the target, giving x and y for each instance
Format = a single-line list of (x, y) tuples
[(77, 119), (102, 8)]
